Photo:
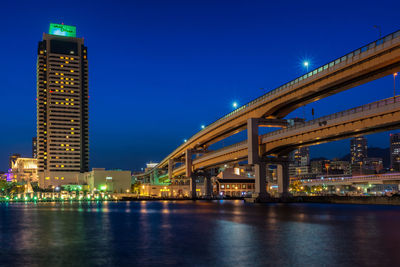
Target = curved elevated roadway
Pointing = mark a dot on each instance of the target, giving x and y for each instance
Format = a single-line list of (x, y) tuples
[(370, 62), (370, 118)]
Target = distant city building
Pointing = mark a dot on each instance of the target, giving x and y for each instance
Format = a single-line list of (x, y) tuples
[(301, 156), (13, 158), (300, 162), (337, 166), (395, 151), (113, 181), (62, 107), (24, 170), (372, 165), (358, 152), (330, 167), (34, 147), (358, 149)]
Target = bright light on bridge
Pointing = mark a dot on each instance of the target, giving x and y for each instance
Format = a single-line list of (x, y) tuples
[(306, 63), (185, 140), (202, 126), (235, 104)]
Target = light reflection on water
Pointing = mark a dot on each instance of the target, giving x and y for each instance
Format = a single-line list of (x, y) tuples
[(199, 233)]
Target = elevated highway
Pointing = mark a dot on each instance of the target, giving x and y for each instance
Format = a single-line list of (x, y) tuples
[(370, 62), (375, 117)]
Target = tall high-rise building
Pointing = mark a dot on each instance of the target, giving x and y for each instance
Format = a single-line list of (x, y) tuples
[(358, 152), (358, 149), (62, 107), (34, 147), (395, 151)]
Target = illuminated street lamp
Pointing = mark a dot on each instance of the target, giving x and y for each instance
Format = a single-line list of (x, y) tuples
[(235, 104), (185, 140), (394, 86), (202, 126), (306, 64)]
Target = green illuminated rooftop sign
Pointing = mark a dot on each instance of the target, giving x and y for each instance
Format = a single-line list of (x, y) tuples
[(62, 30)]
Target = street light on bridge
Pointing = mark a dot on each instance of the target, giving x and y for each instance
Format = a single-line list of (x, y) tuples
[(202, 126), (235, 104), (306, 64)]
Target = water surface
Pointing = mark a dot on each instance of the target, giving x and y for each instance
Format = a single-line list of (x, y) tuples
[(223, 233)]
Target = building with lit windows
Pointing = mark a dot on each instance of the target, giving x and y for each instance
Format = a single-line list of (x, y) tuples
[(62, 107), (358, 152), (358, 149), (299, 162), (34, 147), (395, 151), (13, 158), (24, 170)]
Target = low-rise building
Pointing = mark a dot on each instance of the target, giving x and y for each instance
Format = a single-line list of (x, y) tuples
[(234, 187), (113, 181), (173, 190), (24, 170), (233, 183)]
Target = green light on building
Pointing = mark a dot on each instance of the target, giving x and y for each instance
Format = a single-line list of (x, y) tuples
[(62, 30)]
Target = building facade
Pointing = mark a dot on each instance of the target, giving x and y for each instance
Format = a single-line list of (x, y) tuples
[(112, 181), (24, 170), (12, 159), (358, 149), (62, 107), (34, 147), (395, 152)]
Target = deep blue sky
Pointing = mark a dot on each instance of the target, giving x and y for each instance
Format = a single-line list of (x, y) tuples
[(160, 69)]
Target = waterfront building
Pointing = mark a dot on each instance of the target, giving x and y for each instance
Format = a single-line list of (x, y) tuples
[(173, 190), (233, 183), (24, 170), (234, 187), (62, 107), (113, 181), (395, 152), (12, 159)]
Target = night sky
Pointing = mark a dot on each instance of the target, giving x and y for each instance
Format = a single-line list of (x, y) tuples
[(158, 70)]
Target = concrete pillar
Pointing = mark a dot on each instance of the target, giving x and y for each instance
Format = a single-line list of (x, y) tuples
[(260, 177), (208, 186), (252, 141), (170, 168), (189, 174), (283, 178)]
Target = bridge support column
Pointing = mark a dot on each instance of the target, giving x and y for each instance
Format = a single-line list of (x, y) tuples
[(189, 173), (170, 168), (260, 180), (283, 178), (254, 158)]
